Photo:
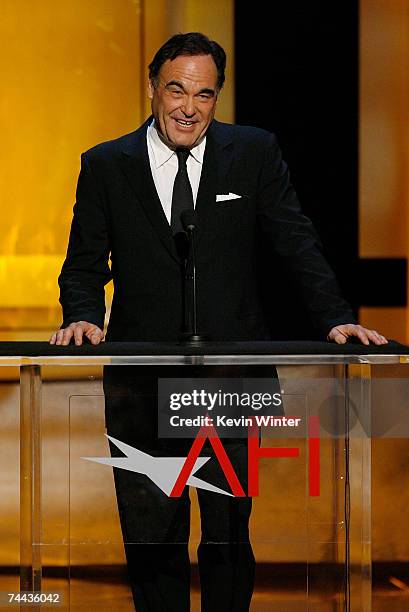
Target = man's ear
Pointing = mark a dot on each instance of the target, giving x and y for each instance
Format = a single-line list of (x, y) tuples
[(150, 89)]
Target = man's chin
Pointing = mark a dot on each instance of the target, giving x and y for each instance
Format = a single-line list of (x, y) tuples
[(174, 141), (184, 140), (179, 138)]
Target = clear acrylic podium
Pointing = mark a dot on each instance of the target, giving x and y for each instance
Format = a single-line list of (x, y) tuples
[(313, 549)]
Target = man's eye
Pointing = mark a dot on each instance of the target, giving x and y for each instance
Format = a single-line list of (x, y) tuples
[(176, 92), (205, 96)]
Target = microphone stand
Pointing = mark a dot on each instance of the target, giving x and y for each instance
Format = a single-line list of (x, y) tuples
[(193, 338)]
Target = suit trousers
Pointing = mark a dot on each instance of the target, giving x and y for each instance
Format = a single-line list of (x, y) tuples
[(156, 527)]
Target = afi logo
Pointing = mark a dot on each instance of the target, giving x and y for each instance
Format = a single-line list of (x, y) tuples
[(172, 474)]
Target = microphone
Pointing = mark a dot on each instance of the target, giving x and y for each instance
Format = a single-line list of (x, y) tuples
[(189, 219)]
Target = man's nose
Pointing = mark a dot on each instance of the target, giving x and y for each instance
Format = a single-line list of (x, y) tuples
[(188, 108)]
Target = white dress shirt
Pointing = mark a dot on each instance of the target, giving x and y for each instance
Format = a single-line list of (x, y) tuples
[(164, 167)]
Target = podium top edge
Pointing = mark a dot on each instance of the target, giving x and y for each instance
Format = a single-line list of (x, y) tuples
[(113, 353), (115, 360)]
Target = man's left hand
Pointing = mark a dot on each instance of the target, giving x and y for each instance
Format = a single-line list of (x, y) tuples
[(341, 333)]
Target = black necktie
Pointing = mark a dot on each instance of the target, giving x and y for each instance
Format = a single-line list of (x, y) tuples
[(182, 197)]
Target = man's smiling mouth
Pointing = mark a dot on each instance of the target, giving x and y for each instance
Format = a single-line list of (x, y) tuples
[(185, 123)]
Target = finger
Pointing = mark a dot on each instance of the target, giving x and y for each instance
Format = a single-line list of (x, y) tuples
[(67, 335), (373, 336), (94, 333), (89, 330), (78, 333), (360, 332), (382, 339), (60, 335), (53, 338), (96, 337), (338, 337), (338, 332)]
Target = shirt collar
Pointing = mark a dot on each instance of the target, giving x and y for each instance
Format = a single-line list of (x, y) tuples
[(162, 153)]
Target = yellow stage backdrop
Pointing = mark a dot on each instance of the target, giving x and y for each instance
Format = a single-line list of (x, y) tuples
[(384, 146), (73, 74)]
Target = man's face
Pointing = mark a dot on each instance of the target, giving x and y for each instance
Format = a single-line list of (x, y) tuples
[(184, 99)]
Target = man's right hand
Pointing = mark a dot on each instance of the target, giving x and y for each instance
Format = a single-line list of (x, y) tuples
[(77, 330)]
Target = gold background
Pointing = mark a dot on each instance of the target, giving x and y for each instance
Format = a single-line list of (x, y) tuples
[(70, 79), (384, 146), (73, 74)]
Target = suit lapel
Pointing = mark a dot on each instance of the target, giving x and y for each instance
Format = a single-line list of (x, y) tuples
[(135, 164), (216, 165)]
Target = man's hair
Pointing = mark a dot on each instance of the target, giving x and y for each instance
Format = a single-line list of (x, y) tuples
[(192, 43)]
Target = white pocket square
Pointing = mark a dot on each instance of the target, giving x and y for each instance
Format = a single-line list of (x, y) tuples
[(222, 197)]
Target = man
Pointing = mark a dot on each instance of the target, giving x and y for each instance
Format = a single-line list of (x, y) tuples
[(129, 198)]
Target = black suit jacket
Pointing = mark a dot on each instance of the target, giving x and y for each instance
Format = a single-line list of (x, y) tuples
[(118, 215)]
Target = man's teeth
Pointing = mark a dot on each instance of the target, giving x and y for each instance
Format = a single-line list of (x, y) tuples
[(184, 122)]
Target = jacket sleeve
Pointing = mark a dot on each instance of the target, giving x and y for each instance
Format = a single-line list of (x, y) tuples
[(293, 237), (85, 271)]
